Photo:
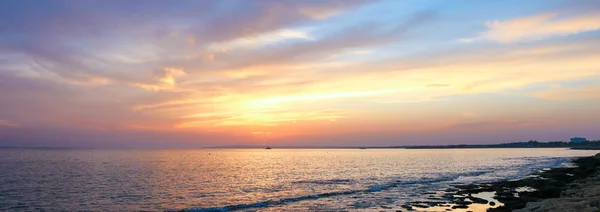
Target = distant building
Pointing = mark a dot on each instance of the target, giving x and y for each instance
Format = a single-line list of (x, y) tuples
[(578, 139)]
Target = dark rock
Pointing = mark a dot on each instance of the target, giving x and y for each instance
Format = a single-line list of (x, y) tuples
[(478, 200), (547, 184), (420, 206), (467, 187), (551, 192), (435, 198), (451, 190), (460, 206), (407, 207), (436, 203), (385, 207)]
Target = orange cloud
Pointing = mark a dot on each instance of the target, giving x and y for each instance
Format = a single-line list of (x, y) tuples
[(538, 27), (271, 98), (166, 82), (559, 93)]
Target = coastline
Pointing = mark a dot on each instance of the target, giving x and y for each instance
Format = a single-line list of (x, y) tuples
[(575, 188), (580, 195)]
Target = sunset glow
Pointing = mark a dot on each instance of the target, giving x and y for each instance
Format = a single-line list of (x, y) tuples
[(297, 73)]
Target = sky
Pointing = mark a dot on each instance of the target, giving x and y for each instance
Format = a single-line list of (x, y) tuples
[(186, 74)]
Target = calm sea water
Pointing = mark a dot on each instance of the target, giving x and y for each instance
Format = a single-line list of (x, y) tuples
[(250, 179)]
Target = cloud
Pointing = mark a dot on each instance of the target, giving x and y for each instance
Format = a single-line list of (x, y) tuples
[(260, 40), (109, 40), (166, 82), (538, 27), (319, 96), (5, 123), (491, 125), (258, 17), (565, 94), (402, 80), (358, 35), (219, 69)]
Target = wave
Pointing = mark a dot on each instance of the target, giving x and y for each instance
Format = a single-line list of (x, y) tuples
[(370, 189), (324, 182), (525, 168), (270, 203), (521, 170)]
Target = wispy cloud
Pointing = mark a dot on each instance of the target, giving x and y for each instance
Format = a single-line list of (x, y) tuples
[(261, 40), (538, 27), (5, 123), (225, 69), (565, 94)]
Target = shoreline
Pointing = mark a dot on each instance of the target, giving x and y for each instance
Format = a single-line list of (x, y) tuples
[(556, 189)]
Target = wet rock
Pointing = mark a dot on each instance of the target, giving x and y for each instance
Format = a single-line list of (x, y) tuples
[(478, 200), (420, 206), (460, 206), (430, 203), (452, 190), (436, 203), (407, 207), (550, 192), (467, 187), (550, 183), (558, 205), (385, 206)]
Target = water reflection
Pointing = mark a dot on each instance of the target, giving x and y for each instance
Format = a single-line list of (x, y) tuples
[(277, 179)]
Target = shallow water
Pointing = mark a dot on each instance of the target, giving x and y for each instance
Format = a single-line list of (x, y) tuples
[(240, 179)]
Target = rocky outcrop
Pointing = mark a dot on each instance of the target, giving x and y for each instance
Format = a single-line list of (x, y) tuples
[(558, 189), (581, 195)]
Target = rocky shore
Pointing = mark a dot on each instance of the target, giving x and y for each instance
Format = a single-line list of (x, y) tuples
[(574, 188)]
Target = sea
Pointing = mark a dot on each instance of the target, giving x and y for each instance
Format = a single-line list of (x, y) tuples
[(252, 179)]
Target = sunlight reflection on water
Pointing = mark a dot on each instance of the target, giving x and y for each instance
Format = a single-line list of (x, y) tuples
[(274, 179)]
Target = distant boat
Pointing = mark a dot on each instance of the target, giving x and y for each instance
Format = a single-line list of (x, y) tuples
[(362, 148), (268, 147)]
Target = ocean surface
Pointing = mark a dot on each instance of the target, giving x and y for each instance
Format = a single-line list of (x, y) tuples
[(251, 179)]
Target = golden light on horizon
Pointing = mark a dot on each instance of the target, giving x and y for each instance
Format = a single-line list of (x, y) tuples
[(301, 75)]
